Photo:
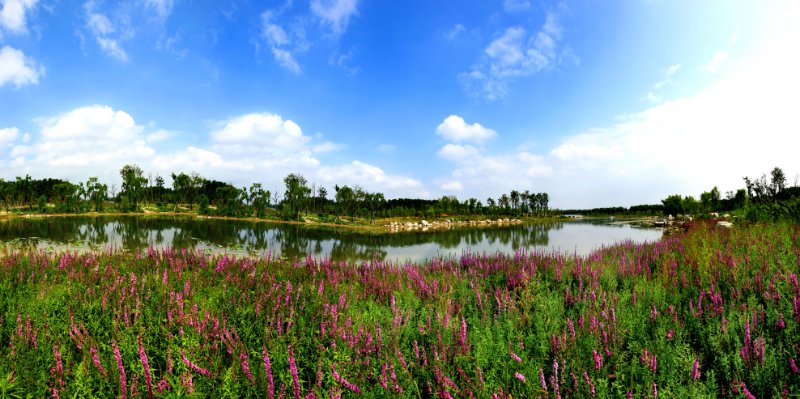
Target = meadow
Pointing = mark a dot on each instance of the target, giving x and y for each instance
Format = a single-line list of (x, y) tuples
[(704, 313)]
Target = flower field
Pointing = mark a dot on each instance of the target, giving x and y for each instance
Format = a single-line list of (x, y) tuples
[(702, 314)]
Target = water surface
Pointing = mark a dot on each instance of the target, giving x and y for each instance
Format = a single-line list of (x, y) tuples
[(290, 241)]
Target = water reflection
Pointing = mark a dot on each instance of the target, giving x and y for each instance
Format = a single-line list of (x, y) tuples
[(290, 241)]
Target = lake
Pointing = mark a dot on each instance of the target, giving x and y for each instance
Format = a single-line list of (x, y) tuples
[(292, 240)]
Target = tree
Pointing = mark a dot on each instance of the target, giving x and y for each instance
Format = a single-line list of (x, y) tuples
[(133, 183), (710, 200), (514, 198), (345, 201), (778, 182), (96, 193), (673, 204), (259, 199), (295, 195)]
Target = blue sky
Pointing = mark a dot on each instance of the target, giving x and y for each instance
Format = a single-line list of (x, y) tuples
[(597, 103)]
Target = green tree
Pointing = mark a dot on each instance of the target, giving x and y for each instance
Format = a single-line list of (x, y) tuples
[(296, 192), (673, 205), (778, 181), (259, 199), (133, 185)]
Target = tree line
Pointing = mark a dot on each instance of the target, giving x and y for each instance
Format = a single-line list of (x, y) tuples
[(298, 197), (768, 197)]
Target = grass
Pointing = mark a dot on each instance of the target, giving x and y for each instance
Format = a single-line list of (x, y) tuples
[(701, 314)]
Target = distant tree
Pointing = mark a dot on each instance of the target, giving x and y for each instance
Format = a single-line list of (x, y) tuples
[(710, 200), (514, 199), (96, 193), (133, 184), (673, 205), (259, 199), (295, 194), (778, 181)]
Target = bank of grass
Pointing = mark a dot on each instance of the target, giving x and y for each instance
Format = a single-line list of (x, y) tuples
[(701, 314)]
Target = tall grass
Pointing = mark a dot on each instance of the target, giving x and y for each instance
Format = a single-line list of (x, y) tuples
[(703, 314)]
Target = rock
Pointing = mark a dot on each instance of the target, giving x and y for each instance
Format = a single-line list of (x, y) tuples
[(724, 226), (713, 215), (424, 223)]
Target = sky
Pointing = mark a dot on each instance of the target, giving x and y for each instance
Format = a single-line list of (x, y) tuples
[(597, 103)]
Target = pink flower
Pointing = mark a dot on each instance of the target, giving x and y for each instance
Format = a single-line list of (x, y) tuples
[(598, 360), (519, 376), (793, 365), (695, 370), (293, 366), (515, 357), (96, 361), (123, 384), (148, 378), (245, 366), (344, 382), (268, 370)]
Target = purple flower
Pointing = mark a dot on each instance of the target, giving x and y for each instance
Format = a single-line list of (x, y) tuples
[(96, 361), (515, 357), (598, 360), (148, 378), (245, 366), (123, 384), (793, 365), (695, 370), (519, 376), (293, 367), (268, 370)]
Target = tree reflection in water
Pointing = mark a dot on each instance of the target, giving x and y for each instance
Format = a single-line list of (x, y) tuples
[(286, 240)]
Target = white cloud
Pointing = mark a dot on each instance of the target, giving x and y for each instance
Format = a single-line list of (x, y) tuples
[(8, 136), (516, 5), (17, 69), (335, 13), (107, 33), (327, 146), (284, 44), (719, 59), (652, 95), (455, 32), (88, 141), (112, 48), (162, 8), (159, 135), (286, 60), (456, 152), (515, 54), (453, 185), (13, 16), (455, 129), (385, 148), (370, 177)]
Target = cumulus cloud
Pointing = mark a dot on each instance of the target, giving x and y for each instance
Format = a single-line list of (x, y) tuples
[(335, 14), (455, 129), (515, 54), (456, 152), (88, 141), (453, 185), (98, 140), (17, 69), (8, 136), (371, 177), (13, 15)]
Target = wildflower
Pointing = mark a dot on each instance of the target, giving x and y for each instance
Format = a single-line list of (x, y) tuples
[(670, 335), (519, 376), (148, 378), (123, 384), (245, 366), (695, 370), (780, 324), (542, 381), (793, 366), (96, 361), (589, 383), (344, 382), (515, 357), (293, 370), (655, 391), (598, 360), (268, 370)]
